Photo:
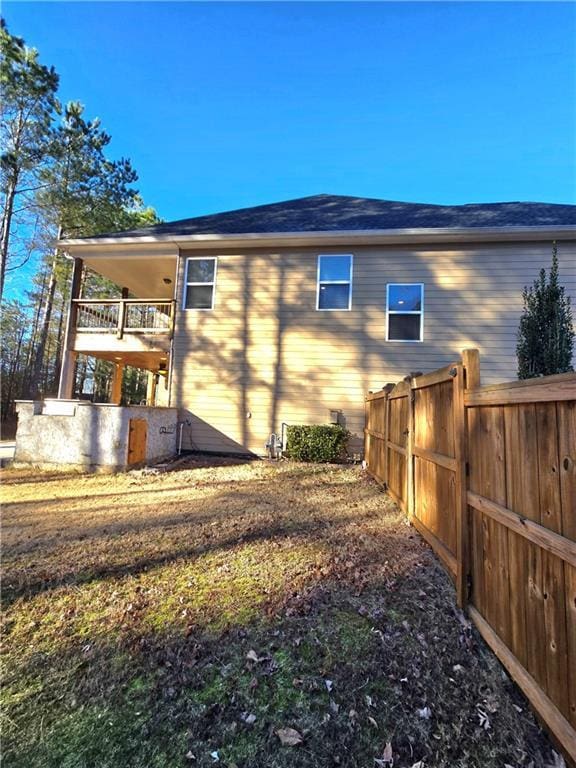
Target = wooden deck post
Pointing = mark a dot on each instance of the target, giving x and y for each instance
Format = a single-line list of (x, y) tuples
[(66, 383), (116, 394), (67, 375), (121, 318), (151, 388), (172, 318)]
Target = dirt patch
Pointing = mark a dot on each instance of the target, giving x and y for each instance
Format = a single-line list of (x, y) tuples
[(242, 614)]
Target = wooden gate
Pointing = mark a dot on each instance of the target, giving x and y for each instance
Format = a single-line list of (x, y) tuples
[(137, 435)]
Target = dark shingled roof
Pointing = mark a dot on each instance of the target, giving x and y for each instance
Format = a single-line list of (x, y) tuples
[(329, 213)]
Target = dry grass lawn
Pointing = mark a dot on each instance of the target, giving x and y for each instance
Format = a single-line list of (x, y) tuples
[(185, 619)]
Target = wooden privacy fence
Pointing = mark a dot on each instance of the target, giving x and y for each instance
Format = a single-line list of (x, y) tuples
[(487, 475)]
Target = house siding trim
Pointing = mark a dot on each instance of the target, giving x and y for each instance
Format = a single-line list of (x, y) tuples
[(336, 237)]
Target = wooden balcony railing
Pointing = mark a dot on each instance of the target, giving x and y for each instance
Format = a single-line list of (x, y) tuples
[(122, 316)]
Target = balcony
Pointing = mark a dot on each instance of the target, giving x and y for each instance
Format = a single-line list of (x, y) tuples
[(107, 328), (124, 316)]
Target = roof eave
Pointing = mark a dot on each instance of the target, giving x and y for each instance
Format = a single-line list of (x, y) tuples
[(360, 237)]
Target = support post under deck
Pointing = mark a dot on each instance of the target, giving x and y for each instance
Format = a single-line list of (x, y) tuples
[(66, 383), (116, 394)]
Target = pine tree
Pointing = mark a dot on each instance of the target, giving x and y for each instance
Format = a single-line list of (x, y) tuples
[(14, 335), (83, 193), (55, 180), (27, 108), (546, 334)]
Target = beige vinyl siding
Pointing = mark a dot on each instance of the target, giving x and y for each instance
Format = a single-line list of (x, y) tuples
[(265, 355)]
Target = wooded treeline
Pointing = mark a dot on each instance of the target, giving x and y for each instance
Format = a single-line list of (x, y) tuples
[(56, 180)]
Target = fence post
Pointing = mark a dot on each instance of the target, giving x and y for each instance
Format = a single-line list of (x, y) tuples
[(366, 428), (467, 377), (387, 388), (462, 527), (410, 500), (471, 363)]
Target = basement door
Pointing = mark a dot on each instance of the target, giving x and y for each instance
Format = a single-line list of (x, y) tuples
[(137, 441)]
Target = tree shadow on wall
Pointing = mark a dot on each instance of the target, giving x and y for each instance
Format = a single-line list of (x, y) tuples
[(261, 361)]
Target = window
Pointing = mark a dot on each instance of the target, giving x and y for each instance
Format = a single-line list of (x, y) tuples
[(200, 282), (334, 282), (405, 311)]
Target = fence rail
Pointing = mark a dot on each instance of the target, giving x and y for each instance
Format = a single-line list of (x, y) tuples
[(488, 476), (123, 316)]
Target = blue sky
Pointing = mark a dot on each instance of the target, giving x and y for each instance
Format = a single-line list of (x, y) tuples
[(225, 105)]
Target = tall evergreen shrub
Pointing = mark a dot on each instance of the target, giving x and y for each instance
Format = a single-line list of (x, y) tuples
[(546, 334)]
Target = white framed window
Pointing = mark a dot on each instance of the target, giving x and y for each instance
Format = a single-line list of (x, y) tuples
[(334, 283), (405, 312), (200, 283)]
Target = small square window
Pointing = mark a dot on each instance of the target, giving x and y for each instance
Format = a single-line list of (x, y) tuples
[(334, 289), (405, 312), (200, 283)]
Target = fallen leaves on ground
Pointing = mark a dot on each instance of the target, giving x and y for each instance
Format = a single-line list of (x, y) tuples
[(192, 616), (289, 737), (387, 757)]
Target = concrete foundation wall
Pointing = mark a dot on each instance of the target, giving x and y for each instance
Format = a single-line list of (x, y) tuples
[(89, 436)]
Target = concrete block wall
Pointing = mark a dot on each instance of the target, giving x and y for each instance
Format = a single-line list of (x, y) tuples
[(77, 434)]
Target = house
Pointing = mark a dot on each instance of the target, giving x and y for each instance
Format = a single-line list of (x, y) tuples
[(290, 312)]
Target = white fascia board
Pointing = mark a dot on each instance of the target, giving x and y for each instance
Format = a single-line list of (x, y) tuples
[(361, 237), (121, 249)]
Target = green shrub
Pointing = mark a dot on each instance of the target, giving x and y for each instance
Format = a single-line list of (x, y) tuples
[(322, 443), (546, 332)]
